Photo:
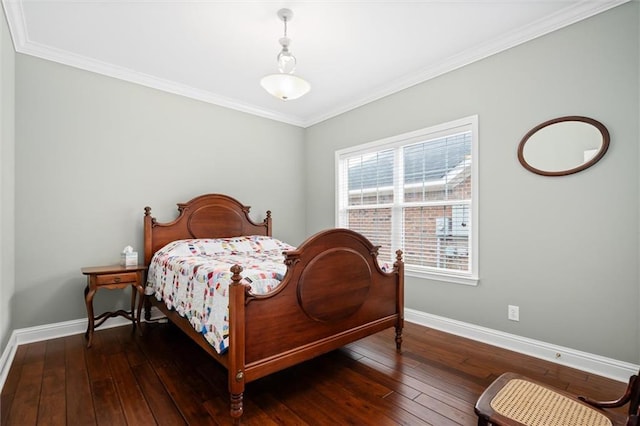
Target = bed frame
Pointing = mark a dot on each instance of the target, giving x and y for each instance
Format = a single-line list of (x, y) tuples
[(333, 293)]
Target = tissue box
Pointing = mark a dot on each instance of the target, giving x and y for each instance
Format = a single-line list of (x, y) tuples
[(129, 259)]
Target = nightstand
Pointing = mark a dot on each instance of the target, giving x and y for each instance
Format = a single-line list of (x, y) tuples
[(113, 277)]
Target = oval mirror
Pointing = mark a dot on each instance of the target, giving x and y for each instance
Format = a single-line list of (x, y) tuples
[(563, 146)]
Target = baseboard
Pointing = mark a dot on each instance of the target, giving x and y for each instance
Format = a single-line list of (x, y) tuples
[(602, 366), (606, 367), (7, 358)]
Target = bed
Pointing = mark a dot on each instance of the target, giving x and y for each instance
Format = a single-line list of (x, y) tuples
[(333, 291)]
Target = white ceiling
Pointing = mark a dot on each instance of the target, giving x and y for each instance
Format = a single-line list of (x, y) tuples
[(352, 52)]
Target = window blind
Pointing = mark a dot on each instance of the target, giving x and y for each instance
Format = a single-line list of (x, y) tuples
[(413, 194)]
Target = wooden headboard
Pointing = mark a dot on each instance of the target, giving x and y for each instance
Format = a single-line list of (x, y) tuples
[(206, 216)]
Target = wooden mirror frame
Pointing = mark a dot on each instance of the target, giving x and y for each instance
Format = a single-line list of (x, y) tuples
[(603, 148)]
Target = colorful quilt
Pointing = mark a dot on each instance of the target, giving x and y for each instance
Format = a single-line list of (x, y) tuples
[(192, 277)]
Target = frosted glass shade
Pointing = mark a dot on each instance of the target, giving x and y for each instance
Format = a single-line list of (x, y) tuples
[(285, 86)]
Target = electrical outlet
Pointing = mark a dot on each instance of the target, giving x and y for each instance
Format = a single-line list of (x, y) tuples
[(513, 313)]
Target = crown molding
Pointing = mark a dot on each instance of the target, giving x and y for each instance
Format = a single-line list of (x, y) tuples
[(569, 15), (22, 44), (121, 73), (561, 19)]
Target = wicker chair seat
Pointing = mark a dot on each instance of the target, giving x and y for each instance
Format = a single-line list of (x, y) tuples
[(534, 405), (515, 400)]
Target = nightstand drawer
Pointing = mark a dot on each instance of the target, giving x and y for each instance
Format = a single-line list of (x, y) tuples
[(107, 279)]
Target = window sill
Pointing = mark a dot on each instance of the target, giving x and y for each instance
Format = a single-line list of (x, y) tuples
[(449, 278)]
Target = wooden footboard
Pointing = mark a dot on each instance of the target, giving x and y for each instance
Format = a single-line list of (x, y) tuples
[(334, 292)]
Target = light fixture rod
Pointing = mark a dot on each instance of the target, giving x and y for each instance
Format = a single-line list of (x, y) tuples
[(285, 16), (285, 85)]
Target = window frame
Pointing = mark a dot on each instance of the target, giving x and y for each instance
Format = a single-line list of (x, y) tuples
[(469, 123)]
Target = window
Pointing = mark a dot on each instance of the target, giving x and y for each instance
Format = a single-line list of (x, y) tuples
[(416, 192)]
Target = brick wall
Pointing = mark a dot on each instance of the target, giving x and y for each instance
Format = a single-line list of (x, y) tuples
[(429, 238)]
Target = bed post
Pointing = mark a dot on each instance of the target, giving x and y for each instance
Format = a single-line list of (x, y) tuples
[(236, 342), (148, 253), (148, 223), (399, 270), (267, 224)]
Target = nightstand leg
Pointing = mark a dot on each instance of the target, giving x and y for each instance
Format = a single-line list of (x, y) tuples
[(88, 298)]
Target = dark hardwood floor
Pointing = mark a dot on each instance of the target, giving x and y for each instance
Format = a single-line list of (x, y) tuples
[(164, 378)]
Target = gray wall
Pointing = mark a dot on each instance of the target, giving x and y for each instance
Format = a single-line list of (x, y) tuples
[(93, 151), (564, 249), (7, 146)]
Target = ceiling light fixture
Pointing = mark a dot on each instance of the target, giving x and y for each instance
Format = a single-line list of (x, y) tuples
[(285, 85)]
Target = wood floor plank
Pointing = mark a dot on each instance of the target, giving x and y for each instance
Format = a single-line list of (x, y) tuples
[(96, 360), (164, 378), (79, 403), (134, 354), (134, 405), (362, 406), (278, 411), (389, 377), (462, 413), (218, 410), (11, 383), (185, 398), (361, 394), (459, 385), (416, 385), (353, 377), (13, 377), (424, 413), (107, 403), (310, 405), (27, 393), (162, 406), (394, 379), (387, 357), (52, 409)]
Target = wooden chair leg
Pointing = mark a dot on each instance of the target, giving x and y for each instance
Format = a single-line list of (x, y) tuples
[(633, 383)]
